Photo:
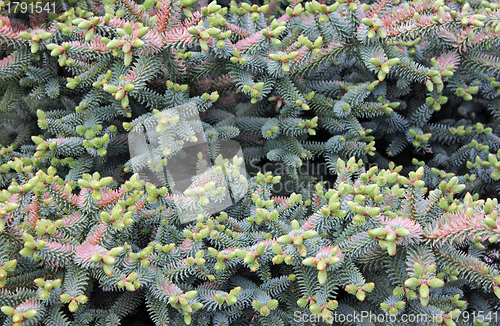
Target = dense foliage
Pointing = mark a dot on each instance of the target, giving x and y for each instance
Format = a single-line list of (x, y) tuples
[(86, 241), (375, 235)]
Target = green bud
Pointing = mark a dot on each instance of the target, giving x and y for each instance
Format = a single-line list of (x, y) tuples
[(308, 261), (378, 232), (113, 44), (109, 260), (393, 61), (403, 232), (412, 282), (418, 269), (285, 239), (436, 283), (95, 258), (9, 311), (84, 25), (375, 62), (143, 31), (374, 211), (30, 313), (490, 222), (367, 21), (424, 291), (249, 258)]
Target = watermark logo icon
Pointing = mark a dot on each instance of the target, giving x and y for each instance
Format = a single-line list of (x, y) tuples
[(169, 148)]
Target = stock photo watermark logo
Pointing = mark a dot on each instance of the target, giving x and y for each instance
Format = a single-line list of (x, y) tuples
[(169, 148)]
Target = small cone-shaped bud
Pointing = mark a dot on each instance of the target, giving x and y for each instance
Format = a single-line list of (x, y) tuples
[(350, 288), (219, 299), (391, 236), (378, 232), (403, 232), (39, 282), (367, 21), (419, 270), (25, 35), (144, 30), (400, 304), (116, 251), (128, 28), (302, 302), (44, 294), (30, 313), (261, 248), (332, 304), (369, 286), (449, 322), (360, 295), (391, 248), (173, 300), (113, 44), (249, 258), (393, 61), (129, 286), (424, 291), (231, 299), (412, 282), (9, 311), (40, 244), (374, 211), (276, 248), (107, 269), (375, 62), (10, 207), (285, 239), (30, 245), (190, 295), (322, 277), (309, 234), (490, 222), (297, 241), (137, 43), (65, 297), (419, 184), (436, 283), (73, 306), (278, 259)]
